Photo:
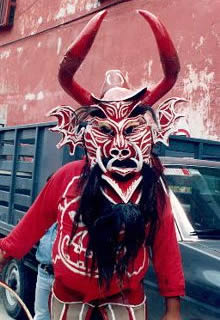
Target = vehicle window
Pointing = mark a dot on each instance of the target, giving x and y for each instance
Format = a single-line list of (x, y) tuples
[(198, 190)]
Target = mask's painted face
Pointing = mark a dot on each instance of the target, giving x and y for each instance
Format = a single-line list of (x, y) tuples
[(119, 137)]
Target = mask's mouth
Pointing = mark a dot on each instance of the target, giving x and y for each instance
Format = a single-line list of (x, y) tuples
[(124, 164), (121, 167)]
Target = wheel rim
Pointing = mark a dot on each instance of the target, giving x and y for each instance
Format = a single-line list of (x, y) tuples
[(13, 280)]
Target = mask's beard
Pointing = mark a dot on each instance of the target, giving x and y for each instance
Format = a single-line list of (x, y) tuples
[(112, 249)]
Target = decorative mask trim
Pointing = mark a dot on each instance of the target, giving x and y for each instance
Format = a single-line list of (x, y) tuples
[(167, 124)]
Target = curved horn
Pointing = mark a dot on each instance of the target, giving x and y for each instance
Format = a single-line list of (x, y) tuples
[(73, 58), (168, 57)]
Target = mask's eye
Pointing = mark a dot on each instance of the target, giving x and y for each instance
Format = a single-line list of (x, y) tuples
[(106, 129), (131, 127), (129, 130), (97, 113)]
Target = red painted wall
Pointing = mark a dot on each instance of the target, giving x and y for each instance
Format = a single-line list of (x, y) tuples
[(30, 53)]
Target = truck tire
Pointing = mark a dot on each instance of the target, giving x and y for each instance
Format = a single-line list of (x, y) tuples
[(18, 277)]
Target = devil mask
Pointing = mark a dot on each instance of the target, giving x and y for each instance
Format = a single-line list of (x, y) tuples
[(118, 129)]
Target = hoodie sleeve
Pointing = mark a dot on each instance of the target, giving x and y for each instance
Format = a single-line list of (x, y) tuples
[(41, 215), (166, 256)]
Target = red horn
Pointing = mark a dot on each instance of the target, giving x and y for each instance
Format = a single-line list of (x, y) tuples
[(73, 58), (168, 57)]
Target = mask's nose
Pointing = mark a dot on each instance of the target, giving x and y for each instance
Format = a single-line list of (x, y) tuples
[(120, 153)]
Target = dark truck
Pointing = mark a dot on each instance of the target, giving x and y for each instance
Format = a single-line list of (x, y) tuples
[(28, 155)]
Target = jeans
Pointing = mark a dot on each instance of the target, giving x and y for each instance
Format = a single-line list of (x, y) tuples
[(42, 291)]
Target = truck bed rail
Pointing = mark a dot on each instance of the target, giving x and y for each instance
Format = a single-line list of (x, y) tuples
[(28, 155)]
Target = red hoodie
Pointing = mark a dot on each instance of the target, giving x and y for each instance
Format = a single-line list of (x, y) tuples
[(58, 201)]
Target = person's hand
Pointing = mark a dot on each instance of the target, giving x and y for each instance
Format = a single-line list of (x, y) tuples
[(171, 316), (172, 309), (3, 260)]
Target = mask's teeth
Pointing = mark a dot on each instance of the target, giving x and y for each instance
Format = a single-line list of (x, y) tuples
[(99, 160)]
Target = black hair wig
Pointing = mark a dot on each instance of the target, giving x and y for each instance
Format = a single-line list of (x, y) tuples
[(112, 251)]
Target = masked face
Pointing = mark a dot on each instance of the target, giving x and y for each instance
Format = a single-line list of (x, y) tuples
[(119, 138), (119, 135)]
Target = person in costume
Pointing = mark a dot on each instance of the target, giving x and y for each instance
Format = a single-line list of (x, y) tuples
[(113, 205)]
